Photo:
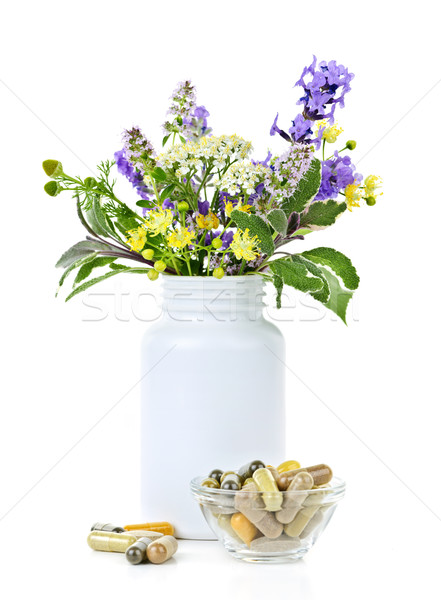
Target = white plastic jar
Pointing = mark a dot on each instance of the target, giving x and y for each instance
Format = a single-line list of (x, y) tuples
[(213, 387)]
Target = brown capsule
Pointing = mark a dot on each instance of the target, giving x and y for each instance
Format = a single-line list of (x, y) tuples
[(294, 496), (321, 474), (249, 502), (269, 525), (162, 549)]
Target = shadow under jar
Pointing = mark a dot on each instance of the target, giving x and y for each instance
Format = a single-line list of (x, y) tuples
[(213, 391)]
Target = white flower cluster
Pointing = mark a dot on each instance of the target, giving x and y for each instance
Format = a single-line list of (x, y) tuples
[(183, 157), (243, 177)]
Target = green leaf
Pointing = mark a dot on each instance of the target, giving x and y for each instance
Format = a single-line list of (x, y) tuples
[(339, 297), (302, 231), (159, 174), (278, 284), (98, 220), (117, 266), (81, 250), (278, 220), (74, 266), (306, 191), (88, 284), (167, 191), (295, 274), (337, 262), (257, 226), (89, 266), (144, 203), (183, 140), (322, 214), (323, 294), (165, 139)]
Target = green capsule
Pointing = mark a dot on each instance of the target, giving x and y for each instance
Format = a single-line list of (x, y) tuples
[(137, 552), (266, 483), (106, 527), (210, 482), (246, 471), (231, 481), (224, 474), (216, 474)]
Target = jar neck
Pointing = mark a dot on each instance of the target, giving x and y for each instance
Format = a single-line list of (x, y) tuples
[(209, 299)]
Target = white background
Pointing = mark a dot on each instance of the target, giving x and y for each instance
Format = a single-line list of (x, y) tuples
[(363, 398)]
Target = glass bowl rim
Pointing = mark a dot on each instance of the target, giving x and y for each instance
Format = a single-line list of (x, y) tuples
[(336, 485)]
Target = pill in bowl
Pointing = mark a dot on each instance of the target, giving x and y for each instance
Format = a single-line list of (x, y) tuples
[(263, 513)]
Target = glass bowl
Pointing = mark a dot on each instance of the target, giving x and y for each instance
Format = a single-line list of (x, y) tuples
[(250, 531)]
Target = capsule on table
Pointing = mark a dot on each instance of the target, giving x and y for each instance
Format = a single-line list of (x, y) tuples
[(244, 528), (210, 482), (288, 465), (109, 541), (216, 474), (321, 474), (106, 527), (266, 483), (139, 533), (246, 471), (162, 549), (231, 481), (161, 527), (293, 501), (137, 552)]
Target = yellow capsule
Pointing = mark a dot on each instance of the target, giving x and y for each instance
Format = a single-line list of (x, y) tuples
[(160, 527), (288, 465), (244, 528), (108, 541), (210, 482), (301, 520), (162, 549), (266, 483)]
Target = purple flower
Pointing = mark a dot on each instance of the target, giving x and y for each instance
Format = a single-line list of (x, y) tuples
[(126, 168), (204, 207), (337, 173), (227, 238), (138, 150)]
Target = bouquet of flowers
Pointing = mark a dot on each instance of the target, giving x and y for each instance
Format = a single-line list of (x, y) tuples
[(206, 208)]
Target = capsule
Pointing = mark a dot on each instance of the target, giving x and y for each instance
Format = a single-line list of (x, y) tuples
[(250, 503), (106, 527), (244, 528), (266, 483), (210, 482), (160, 527), (231, 481), (292, 502), (139, 533), (288, 465), (109, 541), (274, 472), (224, 522), (321, 474), (301, 520), (216, 474), (269, 525), (161, 550), (313, 524), (137, 552), (246, 471)]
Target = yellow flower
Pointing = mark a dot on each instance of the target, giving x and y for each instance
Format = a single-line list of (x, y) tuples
[(209, 221), (330, 133), (137, 239), (179, 239), (158, 220), (353, 195), (239, 206), (371, 185), (244, 246)]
